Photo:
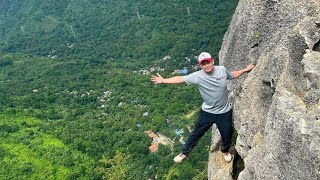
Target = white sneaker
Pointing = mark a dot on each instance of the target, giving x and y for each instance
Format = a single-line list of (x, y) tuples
[(179, 158), (227, 157)]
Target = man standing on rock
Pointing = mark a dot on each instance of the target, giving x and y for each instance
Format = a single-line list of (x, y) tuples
[(216, 108)]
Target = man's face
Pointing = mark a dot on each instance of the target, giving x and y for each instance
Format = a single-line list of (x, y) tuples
[(207, 66)]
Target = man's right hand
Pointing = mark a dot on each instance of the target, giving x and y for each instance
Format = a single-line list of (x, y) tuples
[(157, 79)]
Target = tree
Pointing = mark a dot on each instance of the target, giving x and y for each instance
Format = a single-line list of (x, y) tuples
[(173, 173), (115, 168), (5, 62)]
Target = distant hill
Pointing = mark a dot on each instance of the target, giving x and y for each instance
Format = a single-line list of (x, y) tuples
[(144, 30)]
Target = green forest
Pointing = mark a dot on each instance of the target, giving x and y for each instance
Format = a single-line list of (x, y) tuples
[(75, 90)]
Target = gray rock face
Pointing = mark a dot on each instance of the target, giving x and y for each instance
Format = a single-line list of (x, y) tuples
[(276, 105)]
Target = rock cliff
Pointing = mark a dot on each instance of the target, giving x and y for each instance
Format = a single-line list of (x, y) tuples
[(276, 105)]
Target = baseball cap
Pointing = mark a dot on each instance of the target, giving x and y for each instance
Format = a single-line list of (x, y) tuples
[(204, 56)]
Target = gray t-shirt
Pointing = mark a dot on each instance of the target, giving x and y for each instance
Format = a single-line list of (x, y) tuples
[(213, 89)]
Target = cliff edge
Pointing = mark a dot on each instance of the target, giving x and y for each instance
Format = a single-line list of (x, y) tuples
[(276, 105)]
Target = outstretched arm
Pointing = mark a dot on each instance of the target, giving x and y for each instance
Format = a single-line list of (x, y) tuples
[(238, 73), (173, 80)]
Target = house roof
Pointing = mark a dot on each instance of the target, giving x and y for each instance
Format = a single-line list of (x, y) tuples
[(154, 147), (151, 134)]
